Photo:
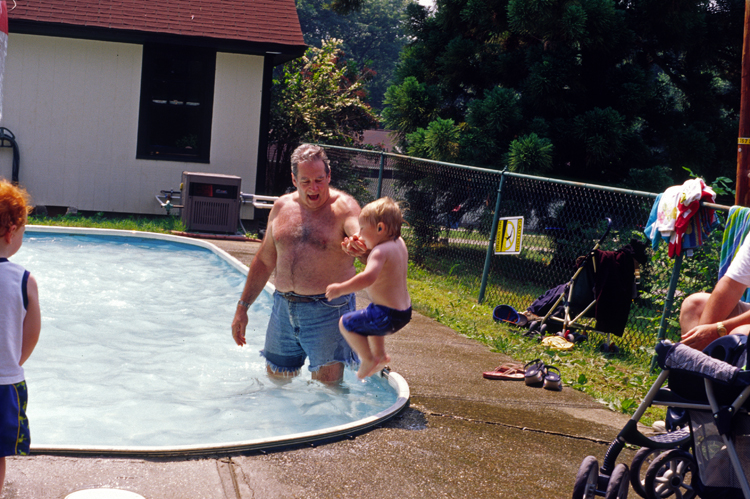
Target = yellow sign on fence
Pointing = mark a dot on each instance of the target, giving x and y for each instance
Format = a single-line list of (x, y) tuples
[(509, 236)]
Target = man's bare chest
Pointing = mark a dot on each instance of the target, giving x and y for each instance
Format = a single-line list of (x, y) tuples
[(296, 231)]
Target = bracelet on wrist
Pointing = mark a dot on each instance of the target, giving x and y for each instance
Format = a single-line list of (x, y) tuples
[(243, 304)]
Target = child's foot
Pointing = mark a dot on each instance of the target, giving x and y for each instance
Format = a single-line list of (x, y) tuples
[(370, 367)]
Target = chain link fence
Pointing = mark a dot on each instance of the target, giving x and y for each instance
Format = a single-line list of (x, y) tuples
[(450, 212)]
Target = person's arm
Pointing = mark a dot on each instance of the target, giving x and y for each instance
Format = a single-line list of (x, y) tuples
[(720, 304), (32, 323), (261, 268), (360, 281), (351, 244)]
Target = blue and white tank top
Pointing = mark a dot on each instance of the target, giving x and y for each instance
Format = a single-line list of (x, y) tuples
[(13, 303)]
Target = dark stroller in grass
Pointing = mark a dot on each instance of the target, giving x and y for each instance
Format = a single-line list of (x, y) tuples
[(710, 456), (601, 288)]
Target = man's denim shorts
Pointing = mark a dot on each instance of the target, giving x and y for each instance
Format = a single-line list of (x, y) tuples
[(298, 330)]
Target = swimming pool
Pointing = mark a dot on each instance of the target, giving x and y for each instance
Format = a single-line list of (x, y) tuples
[(136, 356)]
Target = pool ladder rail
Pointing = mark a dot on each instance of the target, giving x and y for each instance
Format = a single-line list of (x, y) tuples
[(165, 198)]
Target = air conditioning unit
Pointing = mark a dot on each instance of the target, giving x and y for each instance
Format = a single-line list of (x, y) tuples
[(211, 202)]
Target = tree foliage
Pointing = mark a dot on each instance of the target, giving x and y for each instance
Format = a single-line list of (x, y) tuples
[(316, 98), (586, 89), (373, 34)]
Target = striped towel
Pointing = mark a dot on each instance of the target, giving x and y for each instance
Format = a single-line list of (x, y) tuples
[(738, 224)]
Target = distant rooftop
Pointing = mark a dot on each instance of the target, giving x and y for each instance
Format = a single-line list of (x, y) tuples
[(251, 24)]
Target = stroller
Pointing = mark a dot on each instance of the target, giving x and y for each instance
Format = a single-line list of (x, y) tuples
[(709, 456), (601, 288)]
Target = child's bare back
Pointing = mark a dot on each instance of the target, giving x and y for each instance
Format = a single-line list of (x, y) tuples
[(389, 289)]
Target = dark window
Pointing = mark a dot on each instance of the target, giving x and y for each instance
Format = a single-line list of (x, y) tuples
[(177, 93)]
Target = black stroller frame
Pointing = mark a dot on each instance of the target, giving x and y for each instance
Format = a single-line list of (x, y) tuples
[(567, 298), (712, 413)]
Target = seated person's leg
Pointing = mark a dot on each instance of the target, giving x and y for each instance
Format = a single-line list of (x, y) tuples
[(691, 310)]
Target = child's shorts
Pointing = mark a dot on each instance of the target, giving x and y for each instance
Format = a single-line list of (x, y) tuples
[(376, 320), (15, 438)]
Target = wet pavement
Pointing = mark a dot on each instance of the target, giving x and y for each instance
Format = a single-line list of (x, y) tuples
[(462, 436)]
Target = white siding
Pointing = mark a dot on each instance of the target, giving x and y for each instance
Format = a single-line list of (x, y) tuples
[(236, 119), (73, 107)]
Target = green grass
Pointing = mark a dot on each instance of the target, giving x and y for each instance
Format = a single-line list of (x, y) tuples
[(163, 224), (156, 223), (618, 382)]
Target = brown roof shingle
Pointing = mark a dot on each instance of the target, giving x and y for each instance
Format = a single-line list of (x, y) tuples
[(258, 21)]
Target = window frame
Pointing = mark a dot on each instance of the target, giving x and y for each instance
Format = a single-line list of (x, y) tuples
[(149, 111)]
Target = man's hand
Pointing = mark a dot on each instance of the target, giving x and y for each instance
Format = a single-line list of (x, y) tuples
[(238, 326), (700, 336), (354, 246)]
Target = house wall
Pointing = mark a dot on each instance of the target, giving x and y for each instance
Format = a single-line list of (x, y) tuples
[(73, 108)]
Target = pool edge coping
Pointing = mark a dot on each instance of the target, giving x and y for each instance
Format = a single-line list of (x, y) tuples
[(396, 381)]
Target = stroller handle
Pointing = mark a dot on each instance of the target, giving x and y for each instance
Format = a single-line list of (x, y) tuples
[(606, 232)]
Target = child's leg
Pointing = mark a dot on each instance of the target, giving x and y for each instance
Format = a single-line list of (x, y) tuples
[(361, 346), (358, 342), (380, 358), (2, 473)]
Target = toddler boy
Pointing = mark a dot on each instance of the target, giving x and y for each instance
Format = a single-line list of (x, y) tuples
[(384, 277)]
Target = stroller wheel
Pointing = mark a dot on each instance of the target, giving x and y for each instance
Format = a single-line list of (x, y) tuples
[(643, 458), (533, 325), (673, 472), (542, 329), (586, 479), (618, 485)]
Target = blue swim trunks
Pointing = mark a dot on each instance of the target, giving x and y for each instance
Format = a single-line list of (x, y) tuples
[(15, 438), (376, 320), (307, 326)]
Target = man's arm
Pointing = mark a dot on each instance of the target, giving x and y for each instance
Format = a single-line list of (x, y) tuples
[(261, 268), (720, 304), (351, 244)]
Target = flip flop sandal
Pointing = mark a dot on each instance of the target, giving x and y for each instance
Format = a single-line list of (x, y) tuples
[(552, 379), (534, 372), (507, 371)]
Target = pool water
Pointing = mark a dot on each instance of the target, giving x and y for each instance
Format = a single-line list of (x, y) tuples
[(136, 350)]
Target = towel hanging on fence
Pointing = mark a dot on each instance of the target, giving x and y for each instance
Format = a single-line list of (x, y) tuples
[(737, 227), (677, 218)]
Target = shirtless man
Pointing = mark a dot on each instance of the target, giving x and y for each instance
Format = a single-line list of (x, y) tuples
[(303, 244)]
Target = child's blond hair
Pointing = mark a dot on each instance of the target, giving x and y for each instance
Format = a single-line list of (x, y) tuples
[(14, 206), (387, 211)]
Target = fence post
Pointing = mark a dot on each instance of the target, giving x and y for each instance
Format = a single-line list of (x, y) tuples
[(493, 235), (380, 174), (668, 304)]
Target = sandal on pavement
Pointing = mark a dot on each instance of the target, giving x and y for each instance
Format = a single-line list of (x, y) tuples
[(552, 379), (508, 371), (534, 372)]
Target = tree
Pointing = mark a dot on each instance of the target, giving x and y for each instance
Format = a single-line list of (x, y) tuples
[(373, 35), (591, 89), (316, 98)]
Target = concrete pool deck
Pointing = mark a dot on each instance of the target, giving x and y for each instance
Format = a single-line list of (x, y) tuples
[(463, 436)]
